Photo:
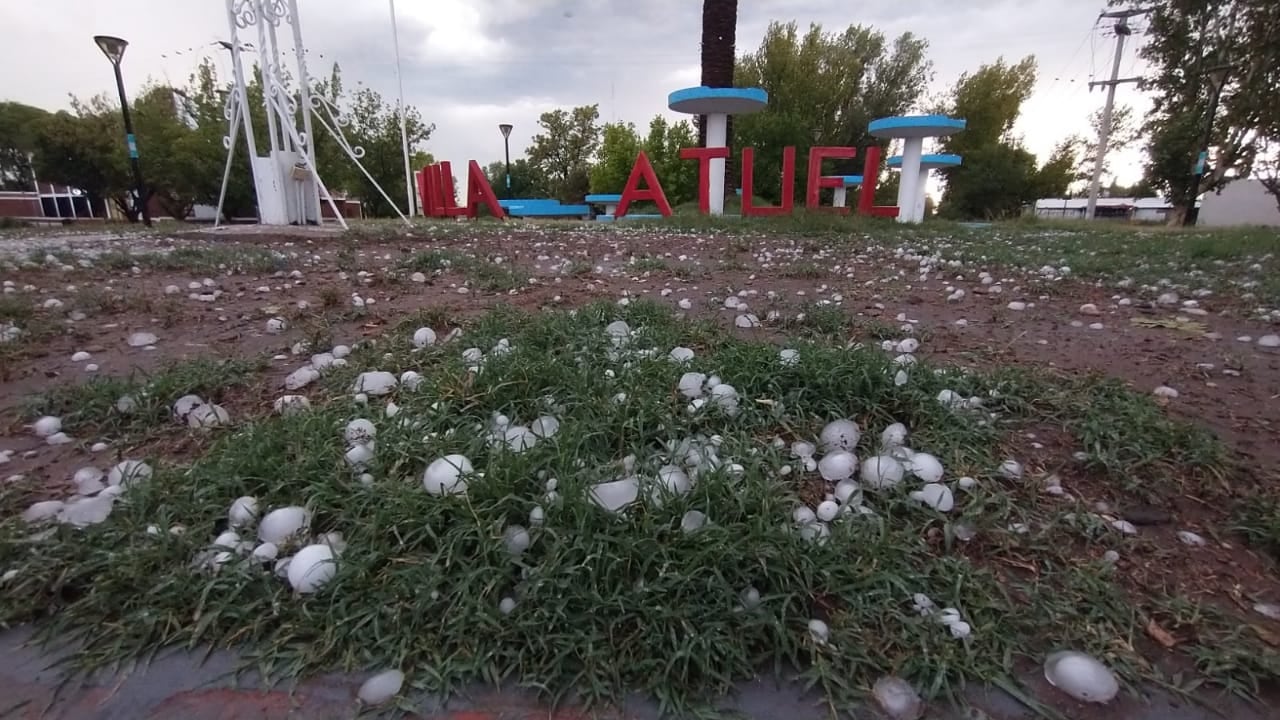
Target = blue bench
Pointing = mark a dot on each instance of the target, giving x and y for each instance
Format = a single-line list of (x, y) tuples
[(630, 216), (849, 181), (543, 208)]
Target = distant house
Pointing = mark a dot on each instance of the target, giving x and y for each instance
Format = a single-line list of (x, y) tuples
[(1147, 209), (49, 201), (1240, 202)]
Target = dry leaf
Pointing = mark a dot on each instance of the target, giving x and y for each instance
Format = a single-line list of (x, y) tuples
[(1190, 326), (1160, 635), (1268, 636)]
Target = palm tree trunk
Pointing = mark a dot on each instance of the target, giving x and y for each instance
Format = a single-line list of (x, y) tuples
[(719, 53)]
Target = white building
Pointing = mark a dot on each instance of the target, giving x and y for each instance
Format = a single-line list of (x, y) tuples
[(1241, 202), (1147, 209)]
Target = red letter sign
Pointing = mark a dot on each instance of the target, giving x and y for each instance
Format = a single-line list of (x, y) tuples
[(817, 180), (634, 193), (867, 193), (704, 156), (788, 184), (479, 191)]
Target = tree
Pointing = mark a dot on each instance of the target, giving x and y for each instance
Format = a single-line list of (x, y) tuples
[(1062, 170), (85, 149), (618, 149), (1189, 44), (562, 152), (1124, 132), (998, 176), (718, 58), (663, 145), (525, 182), (19, 125), (824, 89)]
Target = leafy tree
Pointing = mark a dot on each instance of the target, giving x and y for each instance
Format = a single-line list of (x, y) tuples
[(1187, 40), (562, 152), (1062, 170), (990, 101), (618, 149), (85, 148), (525, 181), (824, 89), (19, 125), (663, 145), (1123, 133)]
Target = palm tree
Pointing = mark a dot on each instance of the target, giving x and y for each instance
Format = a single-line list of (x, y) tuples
[(719, 37)]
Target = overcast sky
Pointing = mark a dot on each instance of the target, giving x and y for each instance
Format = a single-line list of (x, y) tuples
[(471, 64)]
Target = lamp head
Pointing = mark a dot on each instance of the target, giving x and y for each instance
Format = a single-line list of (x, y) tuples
[(112, 47), (506, 129)]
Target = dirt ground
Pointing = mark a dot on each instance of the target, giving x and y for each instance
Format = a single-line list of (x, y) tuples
[(1227, 385)]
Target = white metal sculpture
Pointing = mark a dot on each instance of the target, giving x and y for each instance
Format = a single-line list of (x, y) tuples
[(286, 180)]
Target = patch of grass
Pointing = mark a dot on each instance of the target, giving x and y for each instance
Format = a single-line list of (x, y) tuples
[(1257, 517), (804, 270), (482, 274), (90, 408), (435, 261), (198, 259), (16, 308), (648, 264), (610, 604)]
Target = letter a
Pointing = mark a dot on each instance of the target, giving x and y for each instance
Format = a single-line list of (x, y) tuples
[(634, 193)]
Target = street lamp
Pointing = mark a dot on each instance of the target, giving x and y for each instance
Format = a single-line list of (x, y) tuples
[(505, 128), (113, 48)]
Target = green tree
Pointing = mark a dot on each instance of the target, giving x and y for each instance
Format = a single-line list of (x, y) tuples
[(525, 182), (1123, 133), (1190, 45), (19, 126), (85, 149), (619, 146), (562, 152), (663, 145), (1062, 170), (824, 89)]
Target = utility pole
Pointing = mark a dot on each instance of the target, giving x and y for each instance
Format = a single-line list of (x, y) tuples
[(1122, 31)]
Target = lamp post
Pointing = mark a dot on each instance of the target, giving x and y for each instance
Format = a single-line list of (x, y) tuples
[(505, 128), (113, 48)]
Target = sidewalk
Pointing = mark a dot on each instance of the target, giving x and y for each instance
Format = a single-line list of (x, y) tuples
[(177, 686)]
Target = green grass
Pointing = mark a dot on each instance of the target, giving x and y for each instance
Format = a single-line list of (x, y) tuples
[(1257, 518), (481, 274), (613, 604), (240, 259), (90, 409)]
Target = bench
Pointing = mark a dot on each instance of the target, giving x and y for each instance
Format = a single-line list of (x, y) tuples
[(629, 216), (610, 202), (543, 208)]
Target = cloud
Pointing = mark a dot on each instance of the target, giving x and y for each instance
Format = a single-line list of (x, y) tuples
[(470, 64)]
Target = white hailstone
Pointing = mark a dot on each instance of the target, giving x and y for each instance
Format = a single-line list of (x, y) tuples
[(802, 450), (243, 511), (618, 330), (936, 496), (685, 304), (789, 357), (959, 629), (127, 472), (692, 521), (966, 483), (323, 361), (537, 516), (1010, 470), (516, 540), (545, 426), (750, 598), (59, 438), (690, 384), (819, 631), (680, 355), (98, 447), (922, 604), (283, 524), (1017, 305), (1081, 676), (507, 605), (1189, 538), (518, 438), (907, 346), (1167, 299), (91, 368), (360, 432), (277, 325), (1089, 309), (827, 510), (141, 339), (88, 480), (1125, 527), (472, 355), (904, 360), (375, 382), (392, 409), (359, 456), (208, 416), (381, 687), (616, 495), (900, 378), (447, 475), (46, 426), (1269, 341), (80, 356), (41, 511), (925, 466), (410, 380), (848, 493), (423, 337), (366, 479), (1270, 610), (803, 516), (312, 568), (882, 472), (897, 698), (893, 436), (837, 466), (301, 378), (265, 553), (839, 435), (747, 321), (291, 404), (725, 397), (673, 480), (712, 381), (183, 406), (1164, 391)]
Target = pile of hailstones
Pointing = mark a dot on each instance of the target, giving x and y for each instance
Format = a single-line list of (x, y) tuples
[(283, 541), (95, 495)]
